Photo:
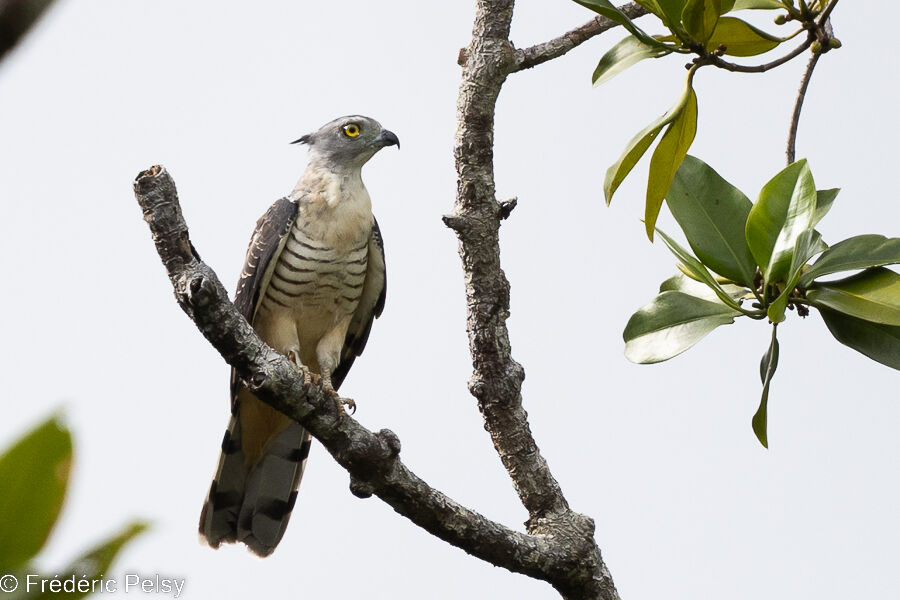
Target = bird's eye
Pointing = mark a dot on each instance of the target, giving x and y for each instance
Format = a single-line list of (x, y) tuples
[(351, 130)]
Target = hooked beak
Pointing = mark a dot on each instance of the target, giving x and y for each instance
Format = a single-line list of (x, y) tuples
[(387, 138)]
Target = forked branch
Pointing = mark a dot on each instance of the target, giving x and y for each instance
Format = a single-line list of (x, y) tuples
[(370, 458)]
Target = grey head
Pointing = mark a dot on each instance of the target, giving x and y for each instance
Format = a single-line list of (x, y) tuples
[(347, 142)]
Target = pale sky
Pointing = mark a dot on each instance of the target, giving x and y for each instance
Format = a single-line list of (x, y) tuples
[(688, 505)]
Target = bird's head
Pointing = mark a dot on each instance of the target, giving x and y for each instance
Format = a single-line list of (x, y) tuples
[(348, 141)]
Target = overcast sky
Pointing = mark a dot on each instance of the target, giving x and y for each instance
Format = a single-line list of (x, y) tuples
[(688, 505)]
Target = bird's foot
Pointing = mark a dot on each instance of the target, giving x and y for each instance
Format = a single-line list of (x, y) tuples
[(341, 402), (349, 403)]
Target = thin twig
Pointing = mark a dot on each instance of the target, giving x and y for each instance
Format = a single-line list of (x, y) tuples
[(817, 30), (714, 60), (540, 53), (826, 14), (798, 106), (823, 35)]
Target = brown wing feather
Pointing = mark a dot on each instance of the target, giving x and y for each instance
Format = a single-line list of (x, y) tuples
[(371, 304), (270, 230)]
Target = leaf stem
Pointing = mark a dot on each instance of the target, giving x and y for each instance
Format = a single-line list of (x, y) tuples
[(710, 58), (816, 30)]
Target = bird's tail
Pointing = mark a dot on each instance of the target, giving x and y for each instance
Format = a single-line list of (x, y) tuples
[(253, 503)]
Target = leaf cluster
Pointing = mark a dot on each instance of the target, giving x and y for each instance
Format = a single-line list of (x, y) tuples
[(35, 474), (753, 259), (702, 27)]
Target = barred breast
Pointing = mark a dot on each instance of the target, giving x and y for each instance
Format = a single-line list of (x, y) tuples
[(312, 276)]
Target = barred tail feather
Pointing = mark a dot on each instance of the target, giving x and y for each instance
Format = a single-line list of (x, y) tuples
[(218, 520), (253, 505), (271, 490)]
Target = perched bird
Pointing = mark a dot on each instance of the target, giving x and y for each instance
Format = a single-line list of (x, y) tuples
[(313, 282)]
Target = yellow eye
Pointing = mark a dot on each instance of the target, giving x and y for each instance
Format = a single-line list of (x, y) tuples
[(351, 130)]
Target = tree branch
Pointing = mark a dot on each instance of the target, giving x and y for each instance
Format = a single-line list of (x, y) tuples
[(16, 18), (497, 378), (798, 106), (824, 35), (540, 53), (370, 458)]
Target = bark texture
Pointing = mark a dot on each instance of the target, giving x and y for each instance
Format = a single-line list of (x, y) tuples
[(497, 378)]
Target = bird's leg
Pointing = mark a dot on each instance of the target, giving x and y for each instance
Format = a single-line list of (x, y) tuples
[(326, 383), (328, 354), (293, 355)]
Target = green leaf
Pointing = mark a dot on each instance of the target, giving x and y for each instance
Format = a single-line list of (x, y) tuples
[(638, 145), (35, 474), (670, 324), (784, 210), (713, 215), (608, 10), (757, 4), (698, 289), (699, 272), (820, 246), (859, 252), (879, 342), (807, 245), (636, 148), (624, 54), (769, 360), (700, 18), (93, 564), (726, 6), (667, 157), (671, 13), (651, 6), (873, 295), (740, 38), (824, 200), (767, 367)]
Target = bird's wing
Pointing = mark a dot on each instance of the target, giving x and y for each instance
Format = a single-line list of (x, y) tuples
[(268, 238), (371, 304)]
